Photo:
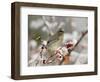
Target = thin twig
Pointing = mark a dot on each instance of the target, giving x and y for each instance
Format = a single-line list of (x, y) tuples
[(79, 41), (47, 61), (75, 45)]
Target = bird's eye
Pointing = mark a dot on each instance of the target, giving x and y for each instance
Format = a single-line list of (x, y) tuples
[(48, 42), (61, 31)]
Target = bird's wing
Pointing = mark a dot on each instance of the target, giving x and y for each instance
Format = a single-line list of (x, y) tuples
[(53, 38)]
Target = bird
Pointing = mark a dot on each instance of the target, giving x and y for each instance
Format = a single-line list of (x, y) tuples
[(55, 41)]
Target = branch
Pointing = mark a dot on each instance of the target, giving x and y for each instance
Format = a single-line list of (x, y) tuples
[(83, 34)]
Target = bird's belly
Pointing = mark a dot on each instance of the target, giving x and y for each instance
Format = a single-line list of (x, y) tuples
[(54, 46)]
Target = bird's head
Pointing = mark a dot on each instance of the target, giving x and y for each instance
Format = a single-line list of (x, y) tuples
[(60, 32)]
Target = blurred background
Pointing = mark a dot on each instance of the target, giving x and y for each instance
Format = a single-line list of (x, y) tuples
[(40, 27)]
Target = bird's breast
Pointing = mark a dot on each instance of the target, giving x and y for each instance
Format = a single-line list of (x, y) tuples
[(54, 46)]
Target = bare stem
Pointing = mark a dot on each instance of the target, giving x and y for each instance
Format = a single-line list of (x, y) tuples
[(83, 34)]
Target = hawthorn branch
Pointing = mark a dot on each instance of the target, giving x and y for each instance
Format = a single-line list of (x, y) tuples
[(83, 34)]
